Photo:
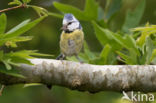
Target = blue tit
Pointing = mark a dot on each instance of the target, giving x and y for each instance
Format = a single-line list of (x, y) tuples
[(72, 37)]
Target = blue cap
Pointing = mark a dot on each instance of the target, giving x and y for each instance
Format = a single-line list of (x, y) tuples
[(68, 16)]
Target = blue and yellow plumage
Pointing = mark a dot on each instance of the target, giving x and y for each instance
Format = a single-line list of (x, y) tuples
[(72, 37)]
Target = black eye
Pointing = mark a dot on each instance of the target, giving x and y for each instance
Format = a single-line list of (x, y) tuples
[(69, 23)]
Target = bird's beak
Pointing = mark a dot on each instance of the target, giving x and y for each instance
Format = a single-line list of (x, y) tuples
[(64, 27)]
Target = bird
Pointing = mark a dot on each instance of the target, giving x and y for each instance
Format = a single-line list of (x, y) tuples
[(72, 37)]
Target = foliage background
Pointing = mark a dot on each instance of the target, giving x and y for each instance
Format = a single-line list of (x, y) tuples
[(46, 40)]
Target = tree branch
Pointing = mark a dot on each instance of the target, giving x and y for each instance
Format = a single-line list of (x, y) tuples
[(15, 7), (86, 77)]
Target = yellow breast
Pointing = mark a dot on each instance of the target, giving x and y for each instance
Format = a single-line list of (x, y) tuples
[(71, 43)]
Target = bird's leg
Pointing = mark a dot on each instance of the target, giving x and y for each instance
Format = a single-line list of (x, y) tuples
[(1, 90), (61, 57), (78, 59)]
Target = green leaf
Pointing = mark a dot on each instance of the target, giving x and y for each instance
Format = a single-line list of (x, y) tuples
[(15, 2), (133, 17), (19, 60), (22, 54), (88, 52), (13, 63), (100, 14), (145, 33), (117, 42), (26, 1), (126, 59), (3, 22), (16, 58), (147, 28), (31, 84), (19, 26), (141, 40), (7, 65), (113, 8), (40, 11), (26, 54), (105, 53), (24, 28), (102, 23), (153, 55), (21, 38), (70, 9), (127, 42), (91, 10), (106, 37), (82, 56), (12, 72), (9, 41), (40, 54), (150, 50), (11, 44)]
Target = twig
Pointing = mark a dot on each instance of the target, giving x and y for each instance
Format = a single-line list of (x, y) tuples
[(15, 7)]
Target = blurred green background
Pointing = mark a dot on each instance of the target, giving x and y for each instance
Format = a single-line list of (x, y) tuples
[(46, 40)]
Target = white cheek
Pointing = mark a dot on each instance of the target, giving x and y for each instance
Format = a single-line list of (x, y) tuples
[(73, 26), (64, 22)]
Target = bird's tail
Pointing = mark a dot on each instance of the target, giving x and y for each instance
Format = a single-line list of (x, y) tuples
[(60, 57)]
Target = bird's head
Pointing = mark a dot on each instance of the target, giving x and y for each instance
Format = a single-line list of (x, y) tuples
[(70, 23)]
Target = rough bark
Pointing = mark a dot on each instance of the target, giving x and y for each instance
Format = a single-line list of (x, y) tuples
[(86, 77)]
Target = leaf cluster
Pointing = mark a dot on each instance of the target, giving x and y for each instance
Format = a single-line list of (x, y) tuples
[(10, 39), (127, 46)]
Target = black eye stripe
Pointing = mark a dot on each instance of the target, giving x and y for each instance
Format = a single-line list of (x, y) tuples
[(69, 23)]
